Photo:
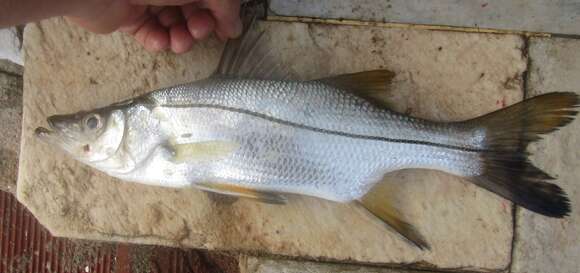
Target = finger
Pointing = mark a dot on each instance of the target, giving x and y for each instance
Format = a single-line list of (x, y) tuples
[(200, 24), (117, 15), (155, 10), (132, 27), (141, 33), (189, 9), (181, 40), (220, 35), (170, 16), (157, 40), (162, 2), (152, 36), (227, 16)]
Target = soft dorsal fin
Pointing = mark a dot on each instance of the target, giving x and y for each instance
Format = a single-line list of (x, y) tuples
[(373, 85), (250, 56)]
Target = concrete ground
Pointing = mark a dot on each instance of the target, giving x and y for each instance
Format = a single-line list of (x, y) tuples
[(11, 44), (490, 237), (11, 119)]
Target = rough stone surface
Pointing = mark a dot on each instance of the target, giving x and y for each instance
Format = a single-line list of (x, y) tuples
[(9, 67), (267, 265), (560, 16), (546, 244), (440, 75), (11, 45), (10, 121)]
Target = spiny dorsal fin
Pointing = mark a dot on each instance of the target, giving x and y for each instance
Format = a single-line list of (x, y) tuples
[(235, 190), (378, 204), (250, 56), (373, 85)]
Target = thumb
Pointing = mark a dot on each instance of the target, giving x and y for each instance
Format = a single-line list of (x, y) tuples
[(162, 2), (109, 18), (227, 16)]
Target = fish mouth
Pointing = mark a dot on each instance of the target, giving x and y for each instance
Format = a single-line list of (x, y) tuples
[(45, 133), (42, 132)]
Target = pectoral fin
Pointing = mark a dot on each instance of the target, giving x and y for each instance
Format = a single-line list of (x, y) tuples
[(229, 189), (379, 206), (203, 151)]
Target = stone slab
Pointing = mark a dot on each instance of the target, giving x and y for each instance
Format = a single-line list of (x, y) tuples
[(440, 75), (9, 67), (11, 44), (268, 265), (560, 16), (546, 244), (10, 122)]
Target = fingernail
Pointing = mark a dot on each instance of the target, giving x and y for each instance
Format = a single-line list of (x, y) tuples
[(195, 33)]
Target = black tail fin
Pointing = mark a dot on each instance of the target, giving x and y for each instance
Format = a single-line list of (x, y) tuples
[(507, 170)]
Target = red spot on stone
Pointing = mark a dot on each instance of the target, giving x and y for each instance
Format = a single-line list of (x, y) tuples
[(504, 206)]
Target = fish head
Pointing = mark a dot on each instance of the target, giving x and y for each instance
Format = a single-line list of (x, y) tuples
[(87, 136)]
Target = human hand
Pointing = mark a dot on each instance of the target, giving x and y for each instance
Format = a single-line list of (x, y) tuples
[(162, 24)]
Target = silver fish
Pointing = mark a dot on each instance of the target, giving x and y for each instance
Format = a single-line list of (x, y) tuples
[(245, 134)]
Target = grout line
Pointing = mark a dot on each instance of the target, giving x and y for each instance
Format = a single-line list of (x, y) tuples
[(402, 25), (567, 36), (10, 74), (515, 209), (526, 73), (403, 267)]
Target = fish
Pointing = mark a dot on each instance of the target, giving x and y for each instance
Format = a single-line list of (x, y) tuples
[(252, 130)]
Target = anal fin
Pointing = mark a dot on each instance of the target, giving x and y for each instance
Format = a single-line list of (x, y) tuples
[(379, 206), (235, 190)]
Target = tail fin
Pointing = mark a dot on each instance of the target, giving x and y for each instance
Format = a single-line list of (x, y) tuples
[(507, 170)]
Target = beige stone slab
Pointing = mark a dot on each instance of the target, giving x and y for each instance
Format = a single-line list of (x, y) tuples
[(546, 244), (10, 67), (440, 75), (10, 123), (268, 265), (554, 16)]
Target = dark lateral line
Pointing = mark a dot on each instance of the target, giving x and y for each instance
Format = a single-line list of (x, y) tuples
[(324, 131)]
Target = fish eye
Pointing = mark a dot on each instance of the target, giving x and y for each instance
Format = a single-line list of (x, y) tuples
[(93, 122)]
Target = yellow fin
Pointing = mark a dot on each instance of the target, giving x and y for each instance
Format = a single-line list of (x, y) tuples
[(221, 198), (372, 85), (203, 151), (229, 189), (379, 205)]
